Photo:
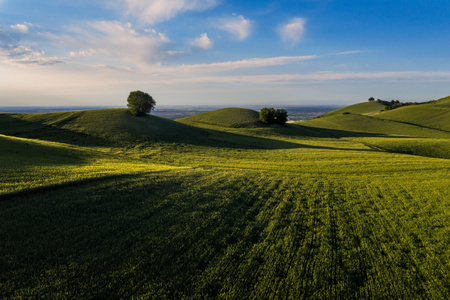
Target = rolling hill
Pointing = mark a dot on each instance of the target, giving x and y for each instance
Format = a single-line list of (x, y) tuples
[(420, 129), (226, 117), (103, 205), (100, 127), (432, 115), (365, 108)]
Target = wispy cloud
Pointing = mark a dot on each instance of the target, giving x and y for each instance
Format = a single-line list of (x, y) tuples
[(14, 51), (155, 11), (244, 64), (293, 31), (236, 25), (116, 41), (349, 52), (21, 54), (202, 42), (318, 77)]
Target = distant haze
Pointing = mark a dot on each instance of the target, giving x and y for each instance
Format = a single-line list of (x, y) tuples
[(295, 113)]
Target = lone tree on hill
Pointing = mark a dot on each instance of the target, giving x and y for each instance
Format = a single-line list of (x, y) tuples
[(140, 103), (272, 116), (371, 99)]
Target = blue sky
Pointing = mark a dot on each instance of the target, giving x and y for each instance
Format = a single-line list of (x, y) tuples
[(222, 52)]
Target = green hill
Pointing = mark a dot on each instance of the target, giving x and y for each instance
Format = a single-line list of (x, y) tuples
[(422, 129), (364, 108), (98, 127), (227, 117), (433, 115), (360, 125)]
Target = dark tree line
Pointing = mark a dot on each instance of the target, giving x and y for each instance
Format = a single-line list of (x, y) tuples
[(389, 105)]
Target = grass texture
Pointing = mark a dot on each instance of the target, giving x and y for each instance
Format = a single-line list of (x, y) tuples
[(101, 204)]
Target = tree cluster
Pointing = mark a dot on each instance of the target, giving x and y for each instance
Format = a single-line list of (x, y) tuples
[(273, 116), (140, 103), (389, 105)]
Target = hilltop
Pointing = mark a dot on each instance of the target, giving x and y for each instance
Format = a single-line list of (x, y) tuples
[(364, 108), (227, 117)]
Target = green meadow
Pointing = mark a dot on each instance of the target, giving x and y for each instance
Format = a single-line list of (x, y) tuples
[(104, 205)]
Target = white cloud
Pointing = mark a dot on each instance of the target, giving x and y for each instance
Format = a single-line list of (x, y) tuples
[(154, 11), (238, 26), (20, 27), (245, 64), (292, 32), (99, 42), (116, 41), (25, 55), (89, 52), (274, 79), (202, 42)]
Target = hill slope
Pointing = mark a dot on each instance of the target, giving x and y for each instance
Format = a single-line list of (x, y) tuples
[(227, 117), (364, 108), (433, 115), (99, 127), (360, 125), (422, 129)]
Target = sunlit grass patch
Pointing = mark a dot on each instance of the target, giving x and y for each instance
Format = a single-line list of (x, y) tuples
[(431, 147)]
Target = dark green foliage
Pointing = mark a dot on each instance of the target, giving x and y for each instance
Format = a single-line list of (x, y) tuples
[(140, 103), (267, 115), (280, 117), (371, 99), (272, 116)]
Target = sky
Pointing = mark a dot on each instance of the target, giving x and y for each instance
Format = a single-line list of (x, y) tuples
[(223, 52)]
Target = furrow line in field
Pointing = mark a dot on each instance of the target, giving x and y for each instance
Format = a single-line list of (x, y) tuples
[(309, 264)]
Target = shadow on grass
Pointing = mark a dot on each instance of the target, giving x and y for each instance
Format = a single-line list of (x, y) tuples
[(152, 129), (24, 153), (35, 192), (13, 126), (268, 140)]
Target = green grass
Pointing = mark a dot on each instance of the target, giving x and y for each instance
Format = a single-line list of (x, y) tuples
[(101, 204), (102, 127), (365, 108), (431, 115), (360, 125), (226, 117)]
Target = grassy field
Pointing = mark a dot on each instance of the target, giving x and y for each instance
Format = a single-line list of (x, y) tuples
[(101, 204)]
